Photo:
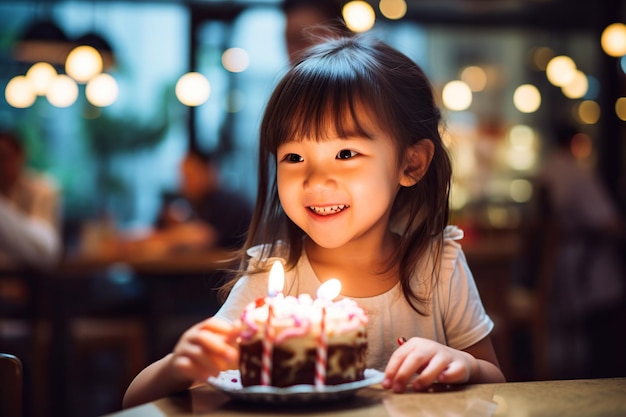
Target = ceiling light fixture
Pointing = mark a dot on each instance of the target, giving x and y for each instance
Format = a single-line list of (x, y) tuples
[(42, 40)]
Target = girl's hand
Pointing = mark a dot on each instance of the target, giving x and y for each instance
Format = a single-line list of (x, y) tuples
[(204, 350), (424, 362)]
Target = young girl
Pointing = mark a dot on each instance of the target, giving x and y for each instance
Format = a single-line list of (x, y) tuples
[(353, 184)]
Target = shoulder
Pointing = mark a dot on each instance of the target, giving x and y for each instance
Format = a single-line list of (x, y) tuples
[(450, 262), (262, 257), (443, 262), (452, 251)]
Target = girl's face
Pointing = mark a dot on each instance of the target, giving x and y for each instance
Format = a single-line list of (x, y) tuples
[(339, 190)]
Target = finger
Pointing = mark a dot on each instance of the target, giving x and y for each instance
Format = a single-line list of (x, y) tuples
[(196, 362), (208, 353), (412, 364), (455, 373), (216, 325), (201, 371), (431, 372), (216, 348), (393, 365)]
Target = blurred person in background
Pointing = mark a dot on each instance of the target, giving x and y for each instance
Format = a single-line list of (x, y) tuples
[(307, 18), (577, 242), (204, 213), (29, 211)]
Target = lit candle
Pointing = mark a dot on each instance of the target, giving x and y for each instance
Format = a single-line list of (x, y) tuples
[(330, 289), (275, 286), (327, 291), (277, 280)]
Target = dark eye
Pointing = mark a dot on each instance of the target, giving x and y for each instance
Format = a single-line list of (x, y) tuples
[(345, 154), (292, 157)]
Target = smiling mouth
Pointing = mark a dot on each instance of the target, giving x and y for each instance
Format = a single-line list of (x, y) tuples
[(328, 210)]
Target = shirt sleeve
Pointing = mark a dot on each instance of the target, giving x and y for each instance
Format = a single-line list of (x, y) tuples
[(465, 319), (246, 290)]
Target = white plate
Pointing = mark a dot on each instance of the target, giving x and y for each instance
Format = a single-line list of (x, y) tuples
[(229, 382)]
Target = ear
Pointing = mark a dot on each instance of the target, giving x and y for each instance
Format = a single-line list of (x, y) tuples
[(416, 162)]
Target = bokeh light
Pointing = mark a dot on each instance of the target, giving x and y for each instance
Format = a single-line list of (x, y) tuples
[(41, 75), (577, 87), (235, 60), (359, 16), (560, 70), (459, 197), (193, 89), (19, 92), (475, 77), (620, 108), (63, 91), (520, 190), (527, 98), (392, 9), (588, 112), (613, 39), (83, 63), (593, 88), (456, 95), (521, 153), (102, 90)]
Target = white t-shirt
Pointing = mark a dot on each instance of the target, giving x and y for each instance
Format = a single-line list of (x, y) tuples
[(457, 317)]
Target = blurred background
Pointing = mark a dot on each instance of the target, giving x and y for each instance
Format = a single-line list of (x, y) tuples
[(170, 76)]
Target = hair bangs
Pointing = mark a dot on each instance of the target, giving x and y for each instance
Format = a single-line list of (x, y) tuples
[(317, 104)]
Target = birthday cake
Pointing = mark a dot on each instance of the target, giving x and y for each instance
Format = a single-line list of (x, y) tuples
[(316, 342)]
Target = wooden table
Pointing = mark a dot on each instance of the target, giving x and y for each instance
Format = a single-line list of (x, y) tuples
[(148, 263), (89, 292), (581, 398)]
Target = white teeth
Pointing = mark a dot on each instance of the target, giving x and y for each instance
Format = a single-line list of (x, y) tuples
[(325, 211)]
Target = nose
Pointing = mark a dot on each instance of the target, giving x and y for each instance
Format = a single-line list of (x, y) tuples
[(320, 177)]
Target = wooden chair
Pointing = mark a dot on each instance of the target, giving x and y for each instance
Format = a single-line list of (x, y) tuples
[(11, 386)]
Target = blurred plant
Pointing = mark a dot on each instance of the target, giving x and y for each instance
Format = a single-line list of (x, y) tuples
[(110, 136)]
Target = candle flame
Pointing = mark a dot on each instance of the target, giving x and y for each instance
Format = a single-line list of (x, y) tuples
[(330, 289), (277, 279)]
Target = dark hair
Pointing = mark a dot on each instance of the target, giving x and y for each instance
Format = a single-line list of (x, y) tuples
[(325, 87)]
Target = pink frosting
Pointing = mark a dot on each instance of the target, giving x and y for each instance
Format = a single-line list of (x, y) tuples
[(356, 316)]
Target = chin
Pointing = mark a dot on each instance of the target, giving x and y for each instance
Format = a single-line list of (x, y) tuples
[(326, 243)]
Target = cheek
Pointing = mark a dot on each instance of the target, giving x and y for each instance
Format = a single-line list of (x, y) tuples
[(377, 189), (286, 191)]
